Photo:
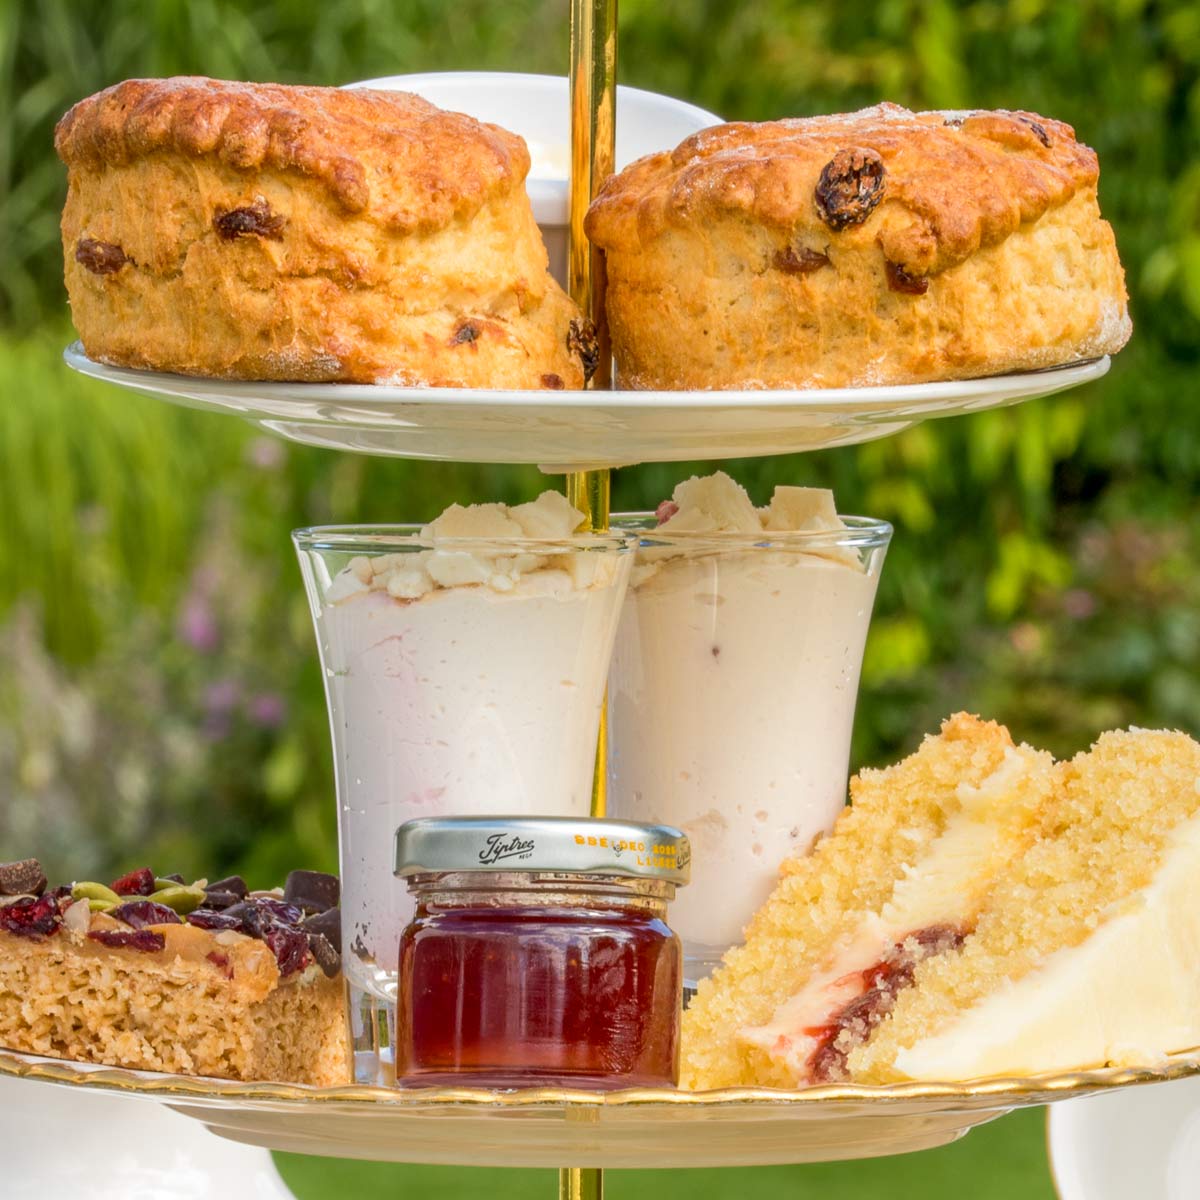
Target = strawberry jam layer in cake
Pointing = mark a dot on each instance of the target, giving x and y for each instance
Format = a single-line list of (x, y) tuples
[(874, 994), (932, 880), (1087, 950), (158, 974)]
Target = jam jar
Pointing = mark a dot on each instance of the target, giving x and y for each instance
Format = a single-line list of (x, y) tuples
[(539, 953)]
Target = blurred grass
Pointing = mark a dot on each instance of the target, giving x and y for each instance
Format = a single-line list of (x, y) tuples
[(1003, 1160)]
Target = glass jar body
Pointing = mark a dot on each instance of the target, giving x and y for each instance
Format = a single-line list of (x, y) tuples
[(523, 980)]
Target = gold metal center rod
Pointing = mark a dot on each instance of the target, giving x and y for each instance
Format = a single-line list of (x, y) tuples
[(593, 91), (593, 86), (593, 154), (580, 1183)]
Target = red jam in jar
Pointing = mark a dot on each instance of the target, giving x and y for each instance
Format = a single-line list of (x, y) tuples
[(535, 958)]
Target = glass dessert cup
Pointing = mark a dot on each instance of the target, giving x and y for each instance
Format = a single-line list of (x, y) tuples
[(476, 696), (731, 704)]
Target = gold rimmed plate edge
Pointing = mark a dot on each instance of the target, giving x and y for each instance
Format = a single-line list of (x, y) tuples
[(1004, 1090)]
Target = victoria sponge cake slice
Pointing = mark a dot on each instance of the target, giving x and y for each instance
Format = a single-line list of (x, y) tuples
[(902, 875), (980, 910)]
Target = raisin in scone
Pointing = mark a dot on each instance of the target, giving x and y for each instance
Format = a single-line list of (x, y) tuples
[(257, 231), (200, 979), (877, 247)]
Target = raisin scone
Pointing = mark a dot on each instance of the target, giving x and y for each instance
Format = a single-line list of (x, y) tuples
[(877, 247), (258, 231), (158, 975)]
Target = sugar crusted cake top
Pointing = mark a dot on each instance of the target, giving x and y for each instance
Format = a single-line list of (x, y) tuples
[(390, 154), (932, 188)]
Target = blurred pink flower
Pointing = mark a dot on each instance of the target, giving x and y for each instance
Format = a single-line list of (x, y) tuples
[(1026, 639), (222, 696), (1078, 603), (197, 624), (267, 709), (265, 453)]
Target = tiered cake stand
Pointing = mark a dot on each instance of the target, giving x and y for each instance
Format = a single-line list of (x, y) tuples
[(583, 434)]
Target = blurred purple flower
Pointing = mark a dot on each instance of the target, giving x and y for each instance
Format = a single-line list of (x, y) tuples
[(197, 624), (267, 709), (265, 453), (1078, 603), (222, 697), (216, 727)]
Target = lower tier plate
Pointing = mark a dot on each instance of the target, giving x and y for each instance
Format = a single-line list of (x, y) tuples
[(551, 1127), (561, 430)]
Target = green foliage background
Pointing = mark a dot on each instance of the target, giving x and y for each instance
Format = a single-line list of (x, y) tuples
[(159, 692)]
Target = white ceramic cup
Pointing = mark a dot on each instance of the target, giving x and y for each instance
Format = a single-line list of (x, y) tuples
[(65, 1143), (536, 107), (1138, 1143)]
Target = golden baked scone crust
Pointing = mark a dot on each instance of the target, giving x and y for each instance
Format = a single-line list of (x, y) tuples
[(259, 231), (876, 247)]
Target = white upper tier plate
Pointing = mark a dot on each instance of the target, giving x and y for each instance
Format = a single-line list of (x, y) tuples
[(572, 430)]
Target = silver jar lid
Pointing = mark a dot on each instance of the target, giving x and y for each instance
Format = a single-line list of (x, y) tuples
[(567, 845)]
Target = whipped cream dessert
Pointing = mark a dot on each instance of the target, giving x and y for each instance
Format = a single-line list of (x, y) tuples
[(465, 674), (733, 687)]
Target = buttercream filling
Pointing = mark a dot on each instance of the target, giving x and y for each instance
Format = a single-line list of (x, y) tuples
[(1076, 1009)]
